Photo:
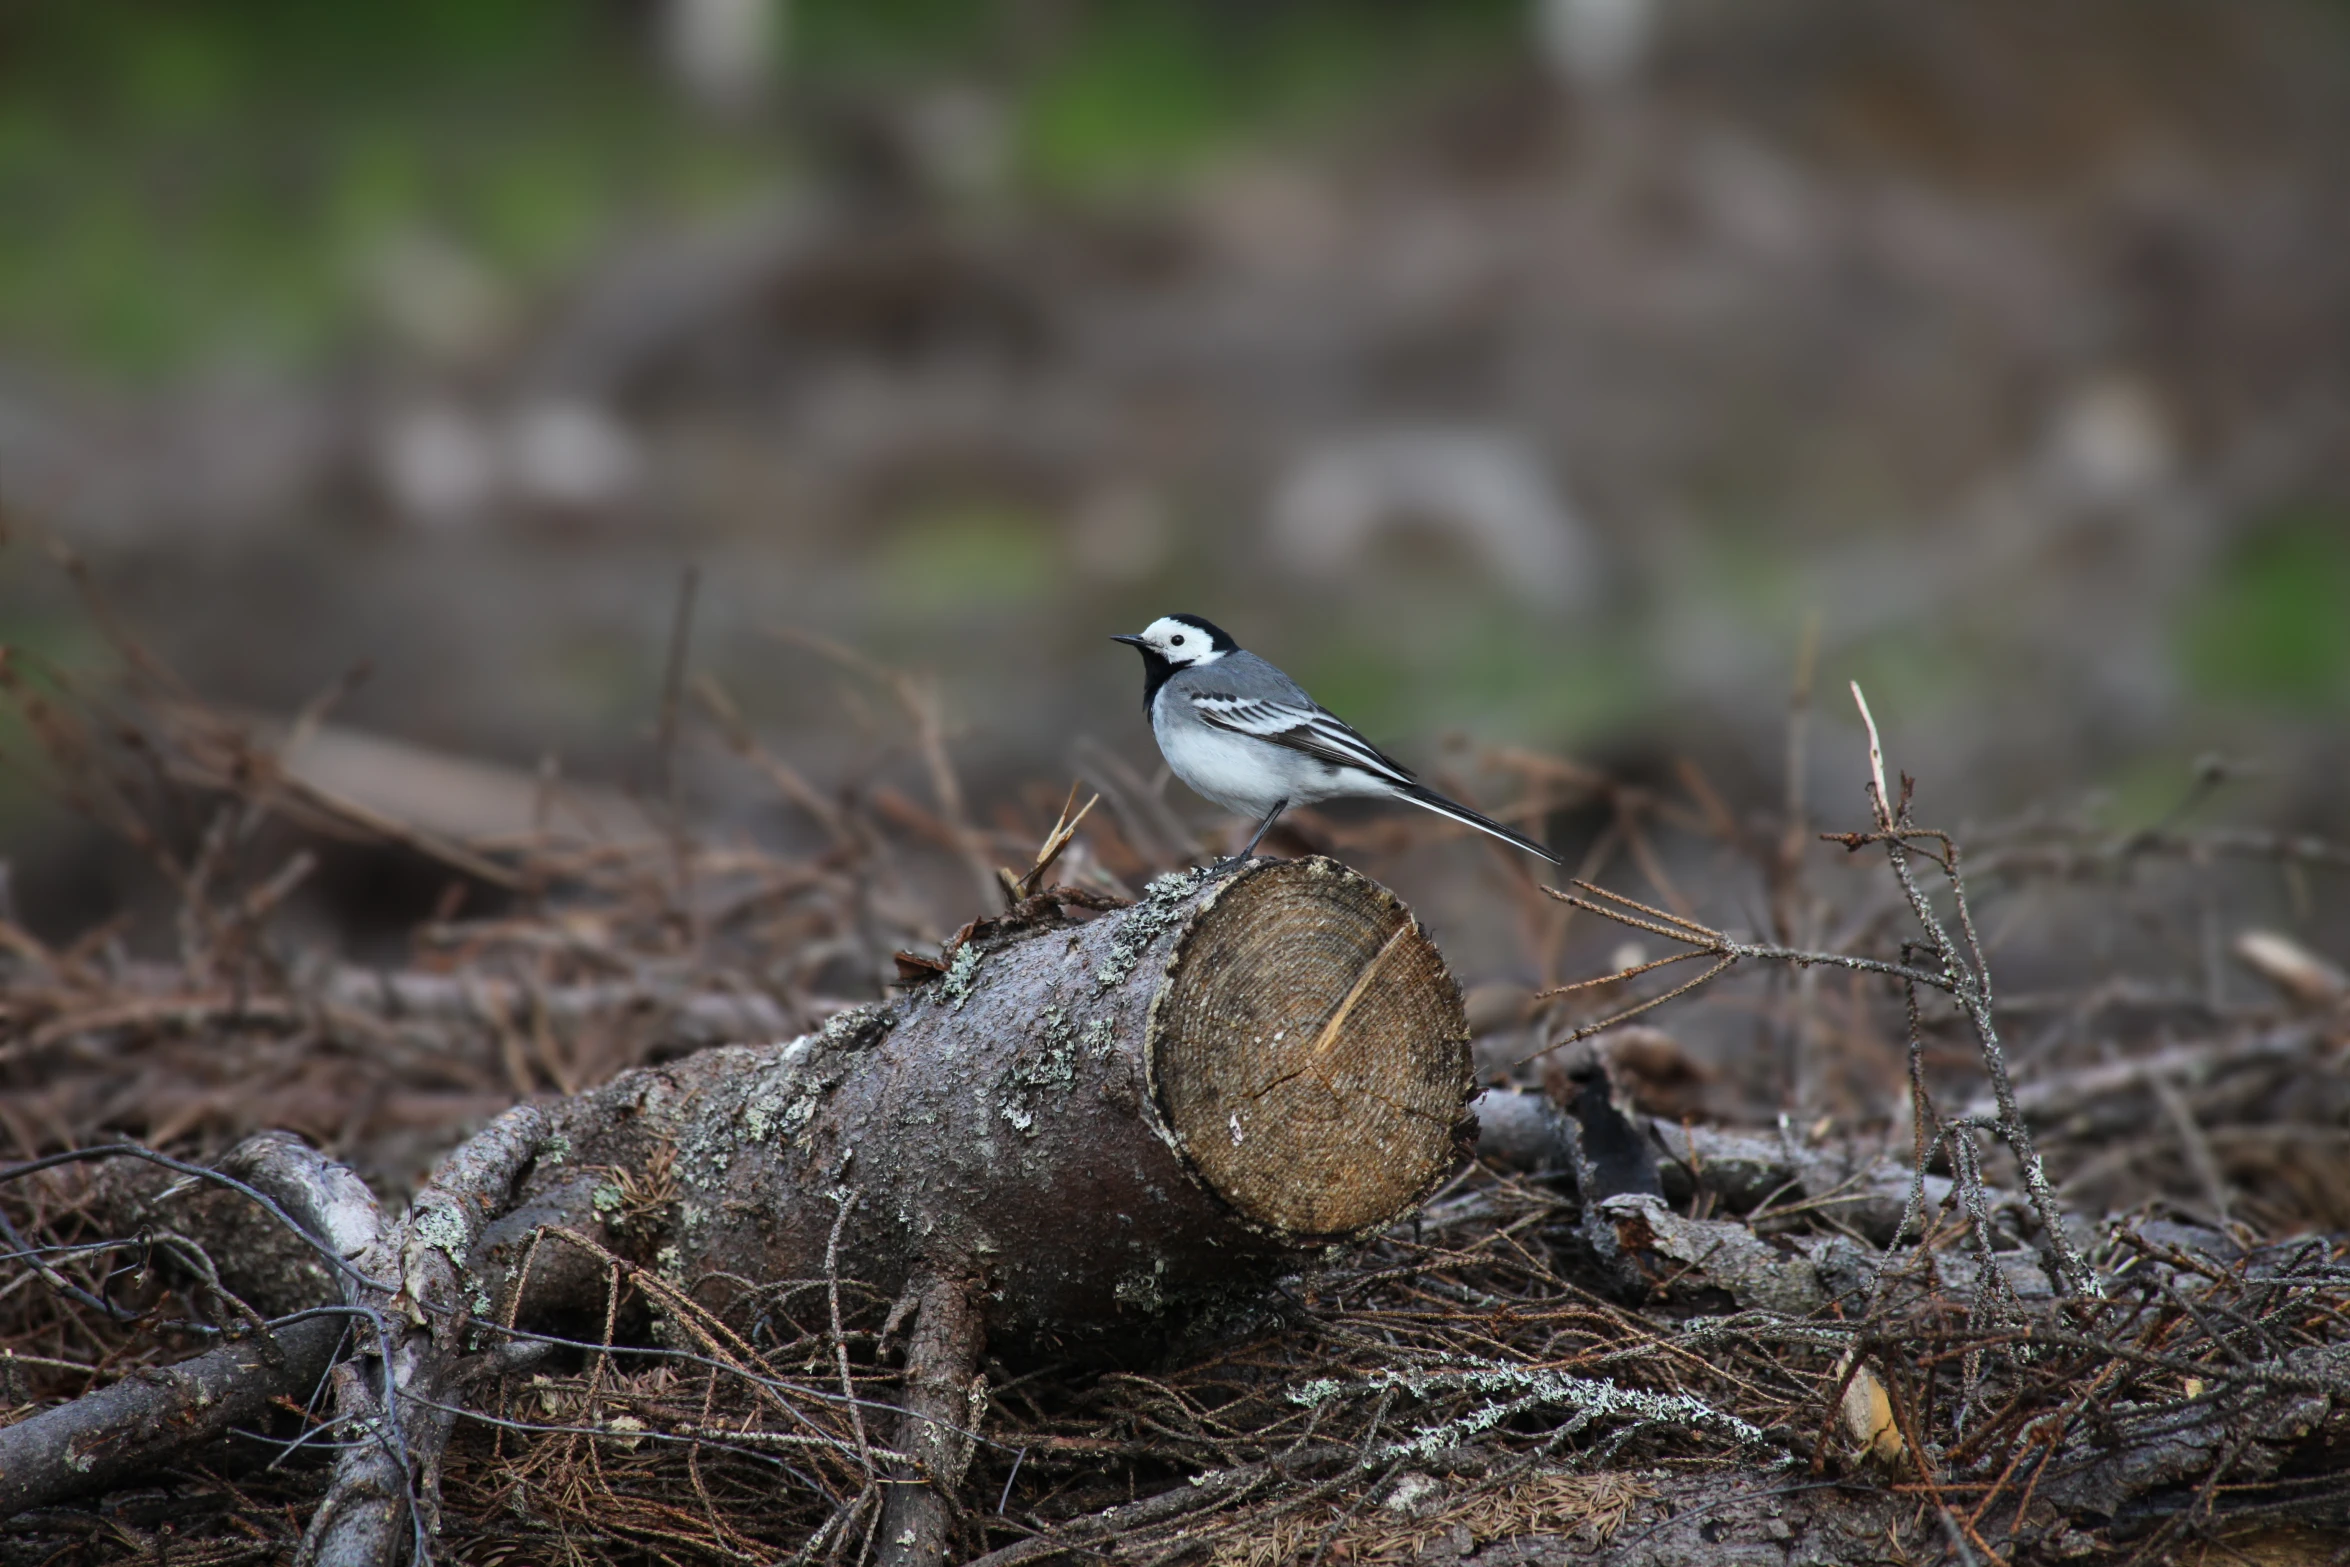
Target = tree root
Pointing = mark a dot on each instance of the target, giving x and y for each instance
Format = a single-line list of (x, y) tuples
[(941, 1403), (386, 1483), (102, 1439), (115, 1434)]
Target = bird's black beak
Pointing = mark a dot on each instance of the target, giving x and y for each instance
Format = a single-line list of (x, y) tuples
[(1129, 638)]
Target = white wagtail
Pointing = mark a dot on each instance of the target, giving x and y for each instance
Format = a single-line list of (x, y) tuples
[(1246, 736)]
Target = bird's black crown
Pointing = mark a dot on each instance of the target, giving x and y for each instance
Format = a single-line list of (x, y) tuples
[(1219, 641)]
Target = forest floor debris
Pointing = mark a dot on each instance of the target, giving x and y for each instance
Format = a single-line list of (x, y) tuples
[(2149, 1357)]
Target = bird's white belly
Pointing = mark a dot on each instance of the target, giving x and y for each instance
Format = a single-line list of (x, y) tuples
[(1240, 774)]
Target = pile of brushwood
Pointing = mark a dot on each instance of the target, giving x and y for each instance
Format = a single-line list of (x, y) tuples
[(687, 1202)]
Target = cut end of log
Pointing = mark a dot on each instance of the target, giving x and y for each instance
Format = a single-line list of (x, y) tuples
[(1309, 1054)]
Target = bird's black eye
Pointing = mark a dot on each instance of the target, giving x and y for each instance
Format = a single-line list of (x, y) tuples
[(1174, 642)]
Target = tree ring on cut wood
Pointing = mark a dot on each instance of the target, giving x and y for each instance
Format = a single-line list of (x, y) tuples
[(1309, 1053)]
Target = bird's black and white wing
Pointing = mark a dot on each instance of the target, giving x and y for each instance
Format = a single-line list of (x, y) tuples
[(1305, 727)]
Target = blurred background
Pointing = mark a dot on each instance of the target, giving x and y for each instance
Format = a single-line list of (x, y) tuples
[(1517, 373)]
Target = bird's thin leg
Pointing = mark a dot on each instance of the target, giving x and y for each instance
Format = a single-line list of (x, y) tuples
[(1263, 827), (1233, 862)]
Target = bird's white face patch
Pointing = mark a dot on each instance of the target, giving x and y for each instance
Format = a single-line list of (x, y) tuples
[(1180, 643)]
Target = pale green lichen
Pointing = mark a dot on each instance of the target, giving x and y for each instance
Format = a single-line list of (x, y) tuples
[(856, 1027), (1055, 1065), (1506, 1392), (1051, 1065), (784, 1088), (1161, 905), (1101, 1038), (607, 1200), (768, 1111), (442, 1227), (557, 1150), (961, 975)]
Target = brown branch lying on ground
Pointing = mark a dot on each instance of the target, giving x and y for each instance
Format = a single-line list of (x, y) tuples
[(1959, 970), (149, 996)]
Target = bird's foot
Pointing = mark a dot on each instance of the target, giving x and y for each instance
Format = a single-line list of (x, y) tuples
[(1230, 863)]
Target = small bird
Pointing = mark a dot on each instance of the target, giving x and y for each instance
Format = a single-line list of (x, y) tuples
[(1245, 735)]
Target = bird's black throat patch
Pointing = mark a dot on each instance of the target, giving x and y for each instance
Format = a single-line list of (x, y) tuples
[(1155, 670)]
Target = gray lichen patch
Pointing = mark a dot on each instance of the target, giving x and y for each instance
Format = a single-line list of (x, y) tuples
[(857, 1028), (961, 975), (1161, 906), (442, 1226), (1053, 1062), (780, 1105), (1047, 1065), (786, 1086)]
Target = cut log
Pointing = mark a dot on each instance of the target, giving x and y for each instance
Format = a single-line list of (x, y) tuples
[(1096, 1121)]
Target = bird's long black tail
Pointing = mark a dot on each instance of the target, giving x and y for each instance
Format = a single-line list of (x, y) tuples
[(1429, 800)]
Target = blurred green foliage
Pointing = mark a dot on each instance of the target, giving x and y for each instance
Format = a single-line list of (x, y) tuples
[(187, 180), (968, 560), (179, 181), (1114, 93), (2273, 624), (1157, 86)]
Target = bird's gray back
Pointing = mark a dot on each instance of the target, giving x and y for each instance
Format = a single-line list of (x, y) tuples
[(1242, 674)]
